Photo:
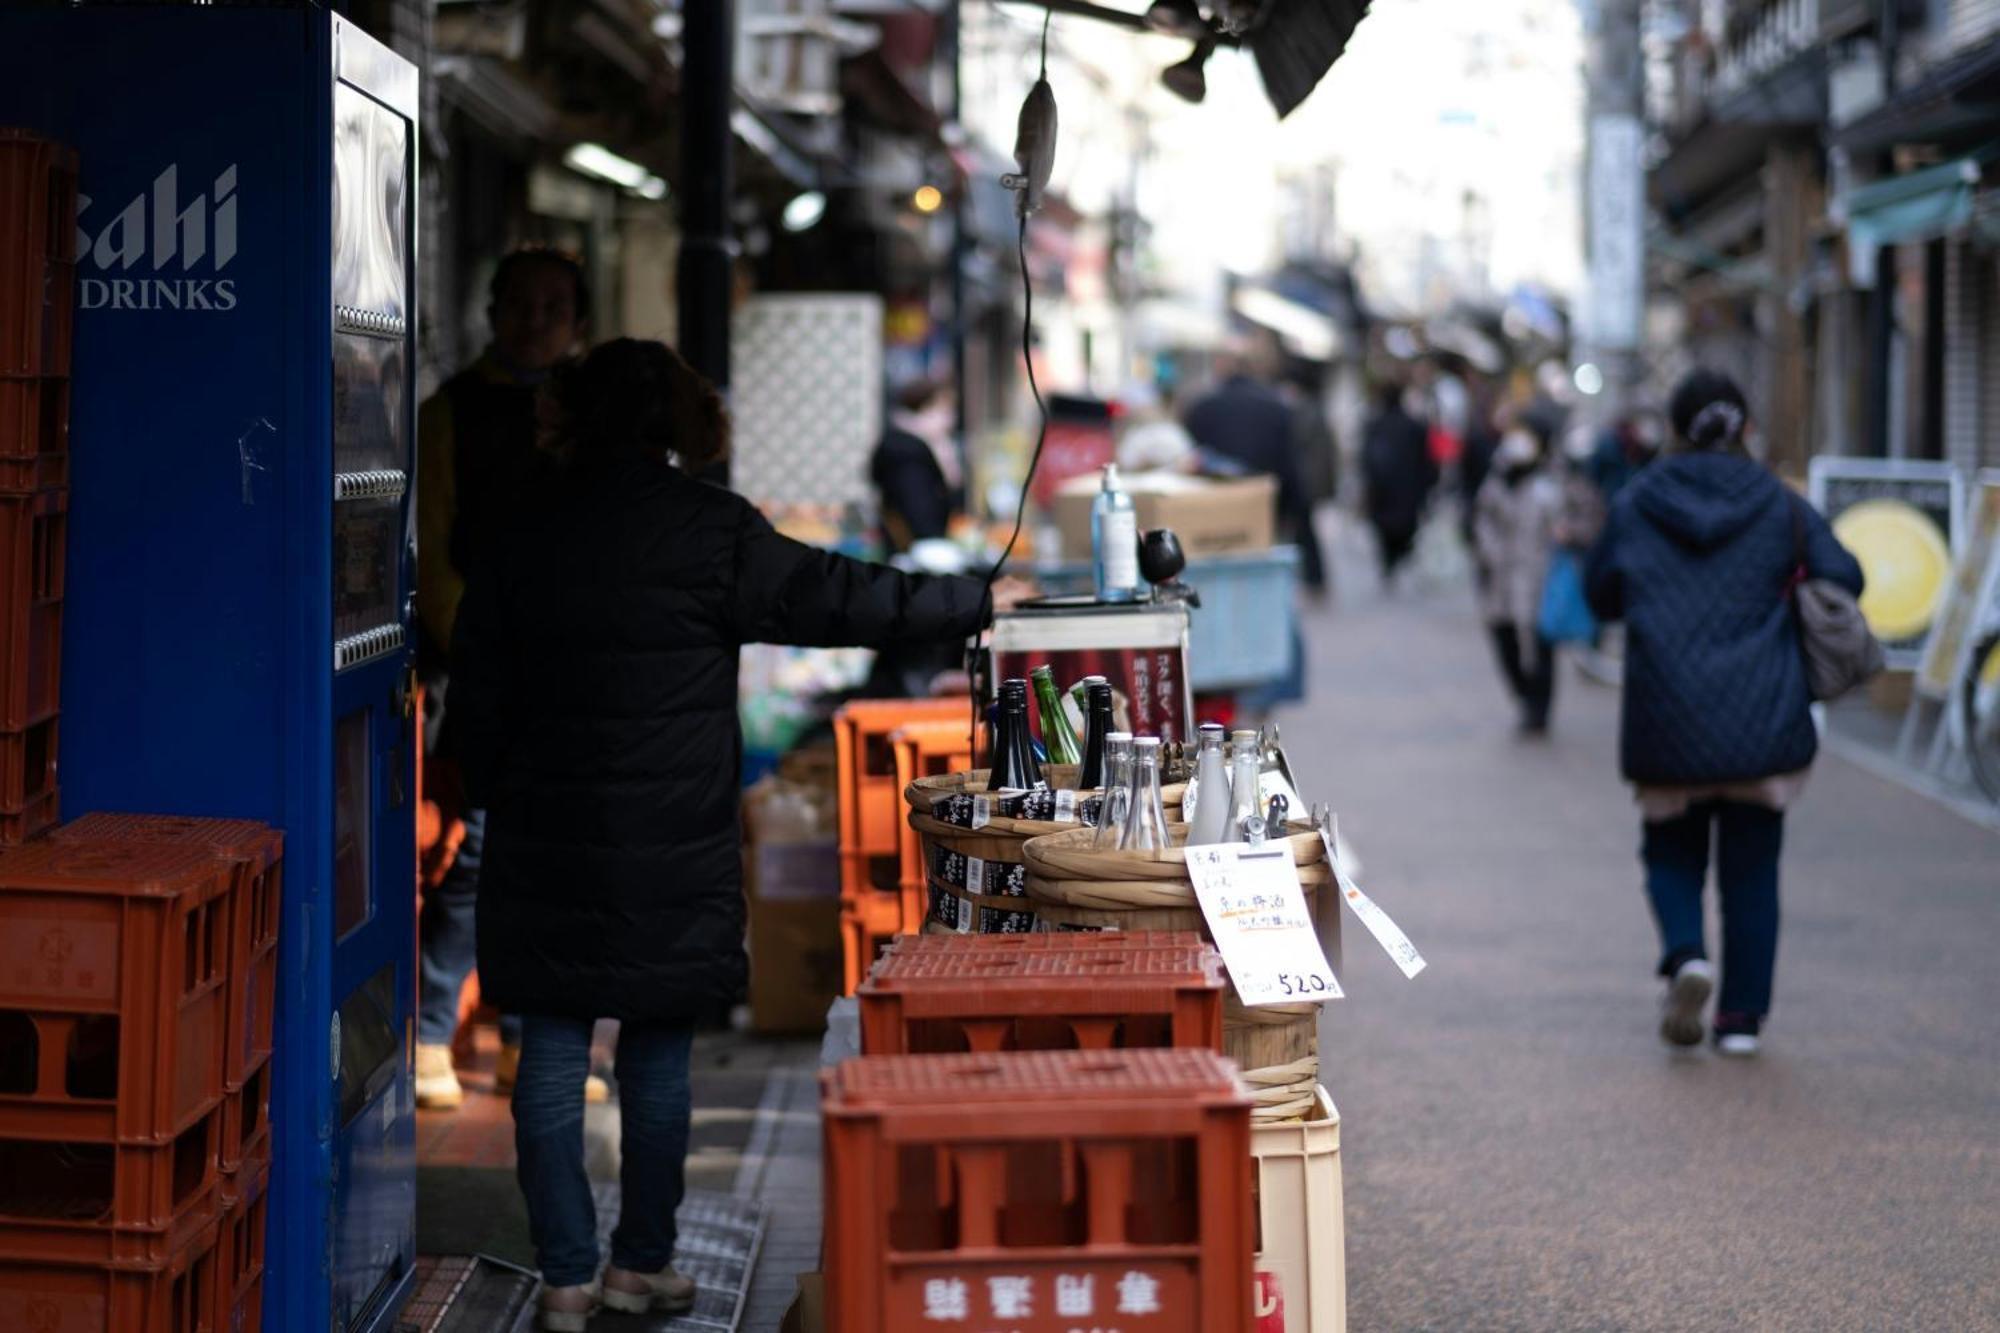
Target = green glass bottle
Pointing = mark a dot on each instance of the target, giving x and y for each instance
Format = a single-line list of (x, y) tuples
[(1057, 737)]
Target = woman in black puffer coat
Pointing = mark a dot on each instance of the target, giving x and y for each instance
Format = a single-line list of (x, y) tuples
[(1699, 558), (595, 693)]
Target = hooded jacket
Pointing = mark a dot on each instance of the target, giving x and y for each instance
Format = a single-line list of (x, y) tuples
[(595, 671), (1697, 558)]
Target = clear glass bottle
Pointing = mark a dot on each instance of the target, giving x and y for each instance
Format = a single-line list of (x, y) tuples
[(1114, 541), (1117, 791), (1096, 726), (1013, 766), (1146, 817), (1206, 805), (1246, 756), (1057, 737)]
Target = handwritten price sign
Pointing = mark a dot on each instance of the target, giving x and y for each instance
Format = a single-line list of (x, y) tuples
[(1257, 913)]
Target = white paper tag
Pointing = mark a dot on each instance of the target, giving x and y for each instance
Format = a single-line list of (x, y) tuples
[(1065, 806), (1257, 913), (1189, 795), (982, 811), (963, 911), (975, 875), (1272, 784), (1386, 932)]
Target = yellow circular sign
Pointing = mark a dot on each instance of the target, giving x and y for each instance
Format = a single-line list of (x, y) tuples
[(1906, 560)]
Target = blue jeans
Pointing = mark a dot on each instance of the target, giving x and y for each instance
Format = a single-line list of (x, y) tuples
[(1747, 840), (449, 943), (653, 1106)]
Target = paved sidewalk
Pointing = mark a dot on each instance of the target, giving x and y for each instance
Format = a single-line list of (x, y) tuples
[(1521, 1152)]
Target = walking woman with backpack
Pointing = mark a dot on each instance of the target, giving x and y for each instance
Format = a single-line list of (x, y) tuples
[(594, 685), (1702, 557)]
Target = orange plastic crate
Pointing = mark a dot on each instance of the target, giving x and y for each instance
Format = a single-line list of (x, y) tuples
[(32, 820), (114, 1203), (867, 927), (1084, 996), (921, 750), (33, 537), (174, 1296), (1041, 1191), (871, 803), (246, 1122), (113, 960), (34, 433), (1040, 941), (257, 852)]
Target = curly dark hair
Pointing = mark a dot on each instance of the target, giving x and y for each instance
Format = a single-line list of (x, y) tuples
[(629, 396)]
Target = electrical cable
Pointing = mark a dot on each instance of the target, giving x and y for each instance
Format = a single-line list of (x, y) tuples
[(1041, 411)]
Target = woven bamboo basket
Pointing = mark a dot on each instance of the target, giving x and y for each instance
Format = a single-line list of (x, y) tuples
[(997, 844), (1073, 886)]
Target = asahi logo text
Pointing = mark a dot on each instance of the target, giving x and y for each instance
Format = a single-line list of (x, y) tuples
[(147, 252)]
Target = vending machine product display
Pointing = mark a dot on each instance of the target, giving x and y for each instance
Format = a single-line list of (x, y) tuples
[(237, 636)]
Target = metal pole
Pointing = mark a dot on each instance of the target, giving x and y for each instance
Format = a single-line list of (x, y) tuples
[(953, 41), (708, 251), (1616, 203)]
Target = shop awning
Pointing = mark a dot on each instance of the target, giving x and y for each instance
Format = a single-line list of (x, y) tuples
[(1915, 206), (1304, 331)]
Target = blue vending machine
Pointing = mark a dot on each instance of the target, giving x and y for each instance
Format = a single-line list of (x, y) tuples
[(237, 622)]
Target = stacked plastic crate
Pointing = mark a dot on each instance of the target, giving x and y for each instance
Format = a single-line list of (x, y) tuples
[(37, 292)]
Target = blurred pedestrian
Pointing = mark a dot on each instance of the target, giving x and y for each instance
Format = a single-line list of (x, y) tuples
[(597, 653), (916, 467), (1244, 419), (1515, 527), (477, 460), (1398, 473), (1699, 558), (1312, 436)]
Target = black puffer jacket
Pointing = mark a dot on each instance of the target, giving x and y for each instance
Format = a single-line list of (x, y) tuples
[(595, 691)]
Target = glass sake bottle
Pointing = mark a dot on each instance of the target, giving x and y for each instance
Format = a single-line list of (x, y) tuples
[(1207, 803), (1145, 817), (1117, 792), (1013, 763), (1246, 757), (1096, 726), (1057, 737)]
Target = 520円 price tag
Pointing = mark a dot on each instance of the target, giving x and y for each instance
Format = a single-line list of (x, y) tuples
[(1257, 913)]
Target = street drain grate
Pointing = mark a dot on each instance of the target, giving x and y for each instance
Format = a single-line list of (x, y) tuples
[(457, 1293), (719, 1238)]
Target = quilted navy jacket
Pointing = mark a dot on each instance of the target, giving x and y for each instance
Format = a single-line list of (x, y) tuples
[(1697, 559), (594, 675)]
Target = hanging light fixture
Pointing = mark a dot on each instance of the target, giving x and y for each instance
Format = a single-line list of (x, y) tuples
[(1176, 18), (1186, 79)]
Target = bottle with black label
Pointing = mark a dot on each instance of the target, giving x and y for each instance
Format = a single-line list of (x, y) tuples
[(1096, 726), (1014, 767)]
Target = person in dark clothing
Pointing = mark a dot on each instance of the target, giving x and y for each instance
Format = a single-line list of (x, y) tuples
[(1699, 557), (476, 460), (916, 467), (1245, 420), (1399, 472), (596, 699)]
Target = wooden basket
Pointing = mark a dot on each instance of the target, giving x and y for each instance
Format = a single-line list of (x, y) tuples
[(998, 841), (1074, 886)]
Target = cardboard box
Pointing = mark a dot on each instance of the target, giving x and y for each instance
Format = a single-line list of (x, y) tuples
[(1211, 516), (795, 963)]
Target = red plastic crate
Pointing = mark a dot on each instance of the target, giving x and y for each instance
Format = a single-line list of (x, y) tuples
[(113, 961), (1041, 1192), (257, 851), (1040, 941), (122, 1203), (246, 1122), (175, 1296), (1083, 997), (239, 1286), (37, 253), (34, 433), (31, 821)]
